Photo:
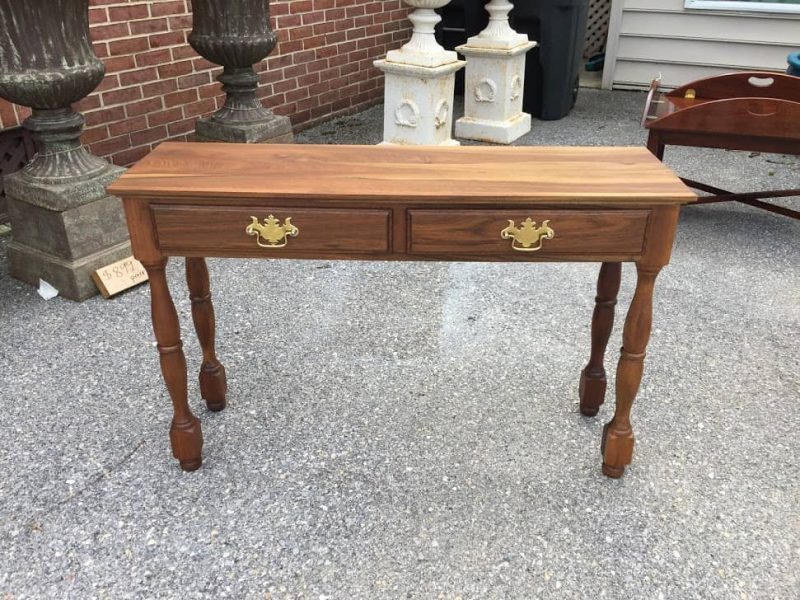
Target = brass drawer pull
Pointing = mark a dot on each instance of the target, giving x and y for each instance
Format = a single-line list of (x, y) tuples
[(272, 232), (527, 234)]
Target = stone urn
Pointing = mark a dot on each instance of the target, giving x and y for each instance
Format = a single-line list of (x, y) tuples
[(236, 34), (47, 63), (64, 224), (498, 32)]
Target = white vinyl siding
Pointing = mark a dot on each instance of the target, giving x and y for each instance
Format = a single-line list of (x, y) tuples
[(652, 37)]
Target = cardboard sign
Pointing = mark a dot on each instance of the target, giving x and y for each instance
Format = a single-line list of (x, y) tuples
[(119, 276)]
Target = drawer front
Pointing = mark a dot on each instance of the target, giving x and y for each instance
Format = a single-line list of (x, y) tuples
[(508, 235), (221, 230)]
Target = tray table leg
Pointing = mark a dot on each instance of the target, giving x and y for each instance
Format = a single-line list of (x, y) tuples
[(655, 145)]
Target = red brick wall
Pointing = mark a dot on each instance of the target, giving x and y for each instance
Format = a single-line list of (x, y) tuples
[(156, 86)]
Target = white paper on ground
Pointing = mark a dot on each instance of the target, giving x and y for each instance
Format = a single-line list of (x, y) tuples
[(46, 290)]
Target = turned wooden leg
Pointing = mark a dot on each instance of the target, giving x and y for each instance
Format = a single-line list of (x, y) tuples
[(592, 389), (213, 383), (184, 433), (617, 445)]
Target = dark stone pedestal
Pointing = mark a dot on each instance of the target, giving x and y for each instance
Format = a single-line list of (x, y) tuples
[(277, 130), (62, 233)]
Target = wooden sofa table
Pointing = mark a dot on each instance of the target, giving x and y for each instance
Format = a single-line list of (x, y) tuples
[(609, 205)]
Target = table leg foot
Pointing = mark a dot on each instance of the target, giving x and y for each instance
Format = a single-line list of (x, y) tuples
[(187, 444), (613, 472), (213, 386), (592, 392), (617, 449)]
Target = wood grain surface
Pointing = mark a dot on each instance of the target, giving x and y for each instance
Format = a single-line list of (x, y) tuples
[(215, 228), (578, 232), (743, 85), (745, 117), (422, 174)]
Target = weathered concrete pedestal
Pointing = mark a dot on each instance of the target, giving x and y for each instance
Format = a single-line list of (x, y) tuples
[(420, 84), (495, 81), (62, 233)]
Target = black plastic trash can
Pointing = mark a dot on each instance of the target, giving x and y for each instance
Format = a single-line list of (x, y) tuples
[(461, 19), (552, 70)]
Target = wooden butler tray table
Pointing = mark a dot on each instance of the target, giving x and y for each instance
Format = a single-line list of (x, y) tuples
[(753, 111), (607, 205)]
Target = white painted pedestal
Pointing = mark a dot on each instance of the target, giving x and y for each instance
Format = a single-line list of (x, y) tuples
[(420, 81), (418, 103), (493, 86), (495, 81)]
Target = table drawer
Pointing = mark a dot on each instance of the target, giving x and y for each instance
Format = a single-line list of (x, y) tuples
[(508, 233), (220, 230)]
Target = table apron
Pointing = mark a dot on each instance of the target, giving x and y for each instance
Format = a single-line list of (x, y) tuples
[(500, 233)]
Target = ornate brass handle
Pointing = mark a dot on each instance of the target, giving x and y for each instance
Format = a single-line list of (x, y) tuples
[(272, 232), (527, 234)]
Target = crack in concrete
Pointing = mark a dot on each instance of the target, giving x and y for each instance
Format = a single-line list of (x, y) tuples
[(34, 525)]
